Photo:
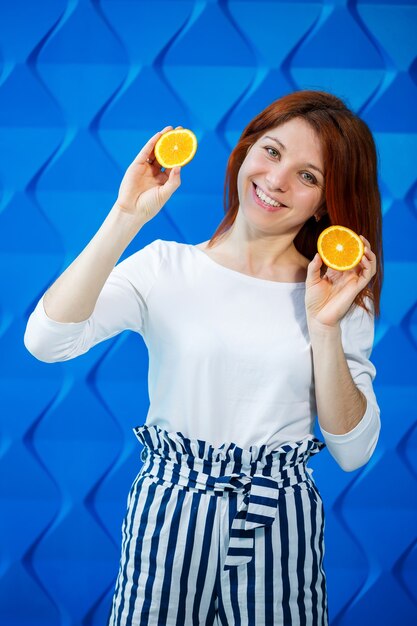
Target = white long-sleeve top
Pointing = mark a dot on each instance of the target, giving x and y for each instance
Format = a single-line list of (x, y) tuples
[(230, 357)]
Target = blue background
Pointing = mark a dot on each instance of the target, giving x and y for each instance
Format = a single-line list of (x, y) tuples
[(83, 85)]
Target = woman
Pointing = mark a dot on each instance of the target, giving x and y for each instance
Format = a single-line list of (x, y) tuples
[(249, 338)]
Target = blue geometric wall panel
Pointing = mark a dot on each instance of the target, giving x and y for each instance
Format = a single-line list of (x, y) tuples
[(83, 85)]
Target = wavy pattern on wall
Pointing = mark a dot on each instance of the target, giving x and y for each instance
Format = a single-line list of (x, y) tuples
[(83, 84)]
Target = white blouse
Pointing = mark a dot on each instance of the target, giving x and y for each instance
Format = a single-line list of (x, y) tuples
[(230, 357)]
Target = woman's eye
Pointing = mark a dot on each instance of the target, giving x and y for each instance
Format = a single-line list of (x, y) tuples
[(309, 178), (269, 150)]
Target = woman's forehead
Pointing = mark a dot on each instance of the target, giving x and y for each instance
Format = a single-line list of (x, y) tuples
[(296, 124), (289, 134)]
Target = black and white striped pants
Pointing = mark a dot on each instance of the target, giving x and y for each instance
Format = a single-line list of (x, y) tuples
[(223, 535)]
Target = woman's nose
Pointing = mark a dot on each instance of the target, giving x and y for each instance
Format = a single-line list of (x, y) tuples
[(277, 178)]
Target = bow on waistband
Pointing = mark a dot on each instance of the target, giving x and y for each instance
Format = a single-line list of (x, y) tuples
[(258, 508)]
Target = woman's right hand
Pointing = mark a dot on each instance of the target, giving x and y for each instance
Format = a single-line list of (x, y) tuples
[(145, 189)]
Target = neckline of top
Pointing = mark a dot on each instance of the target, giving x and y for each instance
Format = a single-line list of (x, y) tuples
[(245, 277)]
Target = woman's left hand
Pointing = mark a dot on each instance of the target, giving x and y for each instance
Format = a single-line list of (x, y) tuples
[(329, 298)]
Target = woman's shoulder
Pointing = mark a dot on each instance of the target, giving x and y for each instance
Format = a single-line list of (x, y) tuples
[(160, 247), (166, 251), (203, 245)]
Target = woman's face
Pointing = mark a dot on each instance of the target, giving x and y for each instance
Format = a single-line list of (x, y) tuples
[(284, 166)]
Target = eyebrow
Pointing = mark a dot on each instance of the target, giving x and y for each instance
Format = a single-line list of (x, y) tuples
[(281, 145)]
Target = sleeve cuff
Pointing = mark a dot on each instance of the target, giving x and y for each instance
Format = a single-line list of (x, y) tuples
[(51, 341), (354, 449), (366, 420), (47, 322)]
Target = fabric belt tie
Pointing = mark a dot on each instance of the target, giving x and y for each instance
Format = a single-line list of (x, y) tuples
[(261, 493), (258, 508)]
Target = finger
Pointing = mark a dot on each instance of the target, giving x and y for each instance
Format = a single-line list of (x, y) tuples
[(369, 264), (147, 151), (166, 129), (313, 269), (172, 183), (368, 270), (370, 257), (366, 242), (369, 253)]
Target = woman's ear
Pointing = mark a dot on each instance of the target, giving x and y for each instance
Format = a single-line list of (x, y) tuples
[(321, 211)]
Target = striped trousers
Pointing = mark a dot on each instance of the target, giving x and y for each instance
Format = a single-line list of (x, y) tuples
[(222, 535)]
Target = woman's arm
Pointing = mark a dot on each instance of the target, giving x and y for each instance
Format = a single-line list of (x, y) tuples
[(121, 305), (341, 336), (143, 192), (347, 409), (340, 404), (73, 296), (91, 300)]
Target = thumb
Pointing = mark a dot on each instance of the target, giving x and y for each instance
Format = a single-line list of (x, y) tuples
[(313, 269), (171, 185)]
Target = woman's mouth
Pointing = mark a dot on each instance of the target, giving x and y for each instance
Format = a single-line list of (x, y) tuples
[(263, 200)]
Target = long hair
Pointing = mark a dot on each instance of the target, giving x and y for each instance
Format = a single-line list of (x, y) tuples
[(351, 194)]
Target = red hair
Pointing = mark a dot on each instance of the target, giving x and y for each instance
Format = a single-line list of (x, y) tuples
[(351, 194)]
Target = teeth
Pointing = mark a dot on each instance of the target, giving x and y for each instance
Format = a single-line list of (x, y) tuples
[(265, 198)]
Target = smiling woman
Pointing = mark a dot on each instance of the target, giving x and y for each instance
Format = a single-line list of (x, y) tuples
[(313, 136), (249, 342), (282, 180)]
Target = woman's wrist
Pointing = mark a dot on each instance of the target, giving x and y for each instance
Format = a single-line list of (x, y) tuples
[(125, 219), (323, 331)]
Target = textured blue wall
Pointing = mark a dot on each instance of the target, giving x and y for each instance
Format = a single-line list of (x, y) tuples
[(83, 85)]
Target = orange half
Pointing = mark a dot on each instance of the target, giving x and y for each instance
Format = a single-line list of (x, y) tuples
[(340, 248), (175, 148)]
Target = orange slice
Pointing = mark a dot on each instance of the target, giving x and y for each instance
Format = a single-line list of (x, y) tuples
[(340, 248), (175, 148)]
